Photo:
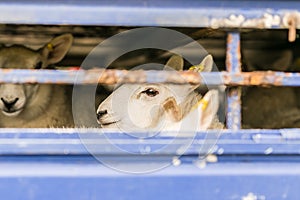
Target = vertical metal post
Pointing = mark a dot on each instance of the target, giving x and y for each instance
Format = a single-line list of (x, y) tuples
[(233, 65)]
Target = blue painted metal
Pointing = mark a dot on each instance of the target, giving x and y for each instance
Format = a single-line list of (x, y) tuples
[(233, 119), (187, 13), (117, 76), (87, 179), (56, 163), (233, 66), (233, 52), (76, 141), (53, 163)]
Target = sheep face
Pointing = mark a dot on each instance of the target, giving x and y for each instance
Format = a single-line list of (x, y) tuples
[(142, 106), (148, 99), (14, 98), (137, 107)]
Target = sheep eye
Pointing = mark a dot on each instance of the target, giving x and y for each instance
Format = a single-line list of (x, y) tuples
[(151, 92), (38, 65)]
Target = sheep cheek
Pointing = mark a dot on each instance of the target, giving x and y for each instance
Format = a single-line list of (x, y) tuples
[(172, 109), (142, 115)]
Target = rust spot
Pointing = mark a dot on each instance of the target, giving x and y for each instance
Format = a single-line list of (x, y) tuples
[(226, 78), (264, 78), (102, 76), (228, 53)]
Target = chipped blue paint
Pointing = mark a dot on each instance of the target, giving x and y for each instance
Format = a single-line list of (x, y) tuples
[(83, 178), (73, 141), (233, 66), (187, 13), (92, 77), (54, 163)]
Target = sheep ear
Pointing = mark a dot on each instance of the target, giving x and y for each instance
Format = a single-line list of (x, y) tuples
[(172, 109), (206, 65), (175, 62), (209, 106), (56, 49)]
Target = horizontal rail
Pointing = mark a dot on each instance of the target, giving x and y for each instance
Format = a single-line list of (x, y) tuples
[(101, 141), (102, 76), (189, 13), (85, 178)]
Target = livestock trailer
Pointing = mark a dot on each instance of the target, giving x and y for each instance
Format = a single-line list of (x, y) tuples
[(254, 45)]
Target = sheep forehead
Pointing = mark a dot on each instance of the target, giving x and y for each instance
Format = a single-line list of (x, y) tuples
[(127, 91), (11, 57)]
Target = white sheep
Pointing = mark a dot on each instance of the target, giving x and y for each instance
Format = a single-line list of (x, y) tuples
[(35, 105), (153, 107)]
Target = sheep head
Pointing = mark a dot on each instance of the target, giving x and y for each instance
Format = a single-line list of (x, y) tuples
[(134, 107), (14, 98)]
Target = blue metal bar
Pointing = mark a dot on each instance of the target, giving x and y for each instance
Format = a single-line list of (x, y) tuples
[(54, 163), (233, 66), (43, 178), (123, 76), (189, 13), (79, 141), (233, 119)]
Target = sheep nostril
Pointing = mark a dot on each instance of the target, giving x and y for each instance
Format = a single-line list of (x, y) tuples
[(9, 104), (101, 113)]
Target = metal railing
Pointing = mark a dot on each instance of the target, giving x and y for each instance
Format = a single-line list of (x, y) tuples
[(251, 163)]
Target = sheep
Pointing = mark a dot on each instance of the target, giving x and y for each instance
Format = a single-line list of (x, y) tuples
[(35, 105), (152, 107), (270, 107)]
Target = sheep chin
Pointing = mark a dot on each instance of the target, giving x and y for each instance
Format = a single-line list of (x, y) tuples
[(12, 114), (111, 124)]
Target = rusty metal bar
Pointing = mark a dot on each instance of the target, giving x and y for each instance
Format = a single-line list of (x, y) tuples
[(258, 78), (214, 14), (233, 65), (262, 78)]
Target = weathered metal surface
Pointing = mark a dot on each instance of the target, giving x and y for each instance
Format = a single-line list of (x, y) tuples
[(247, 14), (94, 76), (81, 178), (101, 76), (74, 141), (233, 53), (265, 21), (262, 78), (233, 120), (233, 65)]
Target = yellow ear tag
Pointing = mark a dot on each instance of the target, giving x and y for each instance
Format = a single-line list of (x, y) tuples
[(202, 102), (50, 46), (197, 68)]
